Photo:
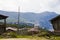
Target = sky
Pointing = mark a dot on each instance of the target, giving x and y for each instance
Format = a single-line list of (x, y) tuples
[(30, 5)]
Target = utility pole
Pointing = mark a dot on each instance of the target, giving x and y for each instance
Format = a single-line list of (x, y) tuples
[(18, 18)]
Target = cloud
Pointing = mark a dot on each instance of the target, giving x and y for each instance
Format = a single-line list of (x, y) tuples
[(41, 5), (30, 5), (49, 5), (9, 5)]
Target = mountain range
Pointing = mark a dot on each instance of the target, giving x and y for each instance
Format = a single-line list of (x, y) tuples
[(43, 19)]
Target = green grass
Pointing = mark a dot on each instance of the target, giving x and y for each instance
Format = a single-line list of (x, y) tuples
[(15, 35), (55, 37), (38, 38), (23, 36)]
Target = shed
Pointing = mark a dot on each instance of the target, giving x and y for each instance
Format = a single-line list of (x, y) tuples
[(2, 23), (56, 24)]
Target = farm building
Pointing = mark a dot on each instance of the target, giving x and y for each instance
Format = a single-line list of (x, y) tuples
[(56, 24), (2, 23)]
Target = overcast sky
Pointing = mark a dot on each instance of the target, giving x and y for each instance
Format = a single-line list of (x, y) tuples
[(30, 5)]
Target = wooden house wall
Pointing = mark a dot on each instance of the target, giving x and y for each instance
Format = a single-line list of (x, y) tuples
[(56, 23), (2, 30)]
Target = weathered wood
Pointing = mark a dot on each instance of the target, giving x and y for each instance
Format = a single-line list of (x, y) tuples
[(3, 26), (56, 24)]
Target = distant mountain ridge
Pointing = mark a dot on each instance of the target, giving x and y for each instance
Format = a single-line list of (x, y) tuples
[(41, 18)]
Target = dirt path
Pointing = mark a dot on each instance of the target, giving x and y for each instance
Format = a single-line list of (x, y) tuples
[(24, 39), (15, 39)]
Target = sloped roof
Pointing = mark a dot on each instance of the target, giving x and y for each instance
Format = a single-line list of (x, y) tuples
[(11, 28), (55, 17), (34, 29), (3, 16)]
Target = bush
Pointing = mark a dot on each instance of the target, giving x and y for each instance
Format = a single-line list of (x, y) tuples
[(13, 34), (9, 35)]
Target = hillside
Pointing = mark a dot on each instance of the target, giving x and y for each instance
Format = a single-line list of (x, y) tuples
[(29, 17)]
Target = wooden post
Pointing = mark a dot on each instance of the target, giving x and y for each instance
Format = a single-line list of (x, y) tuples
[(4, 25)]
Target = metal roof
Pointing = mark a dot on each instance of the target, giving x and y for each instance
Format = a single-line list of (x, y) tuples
[(3, 16), (55, 17)]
